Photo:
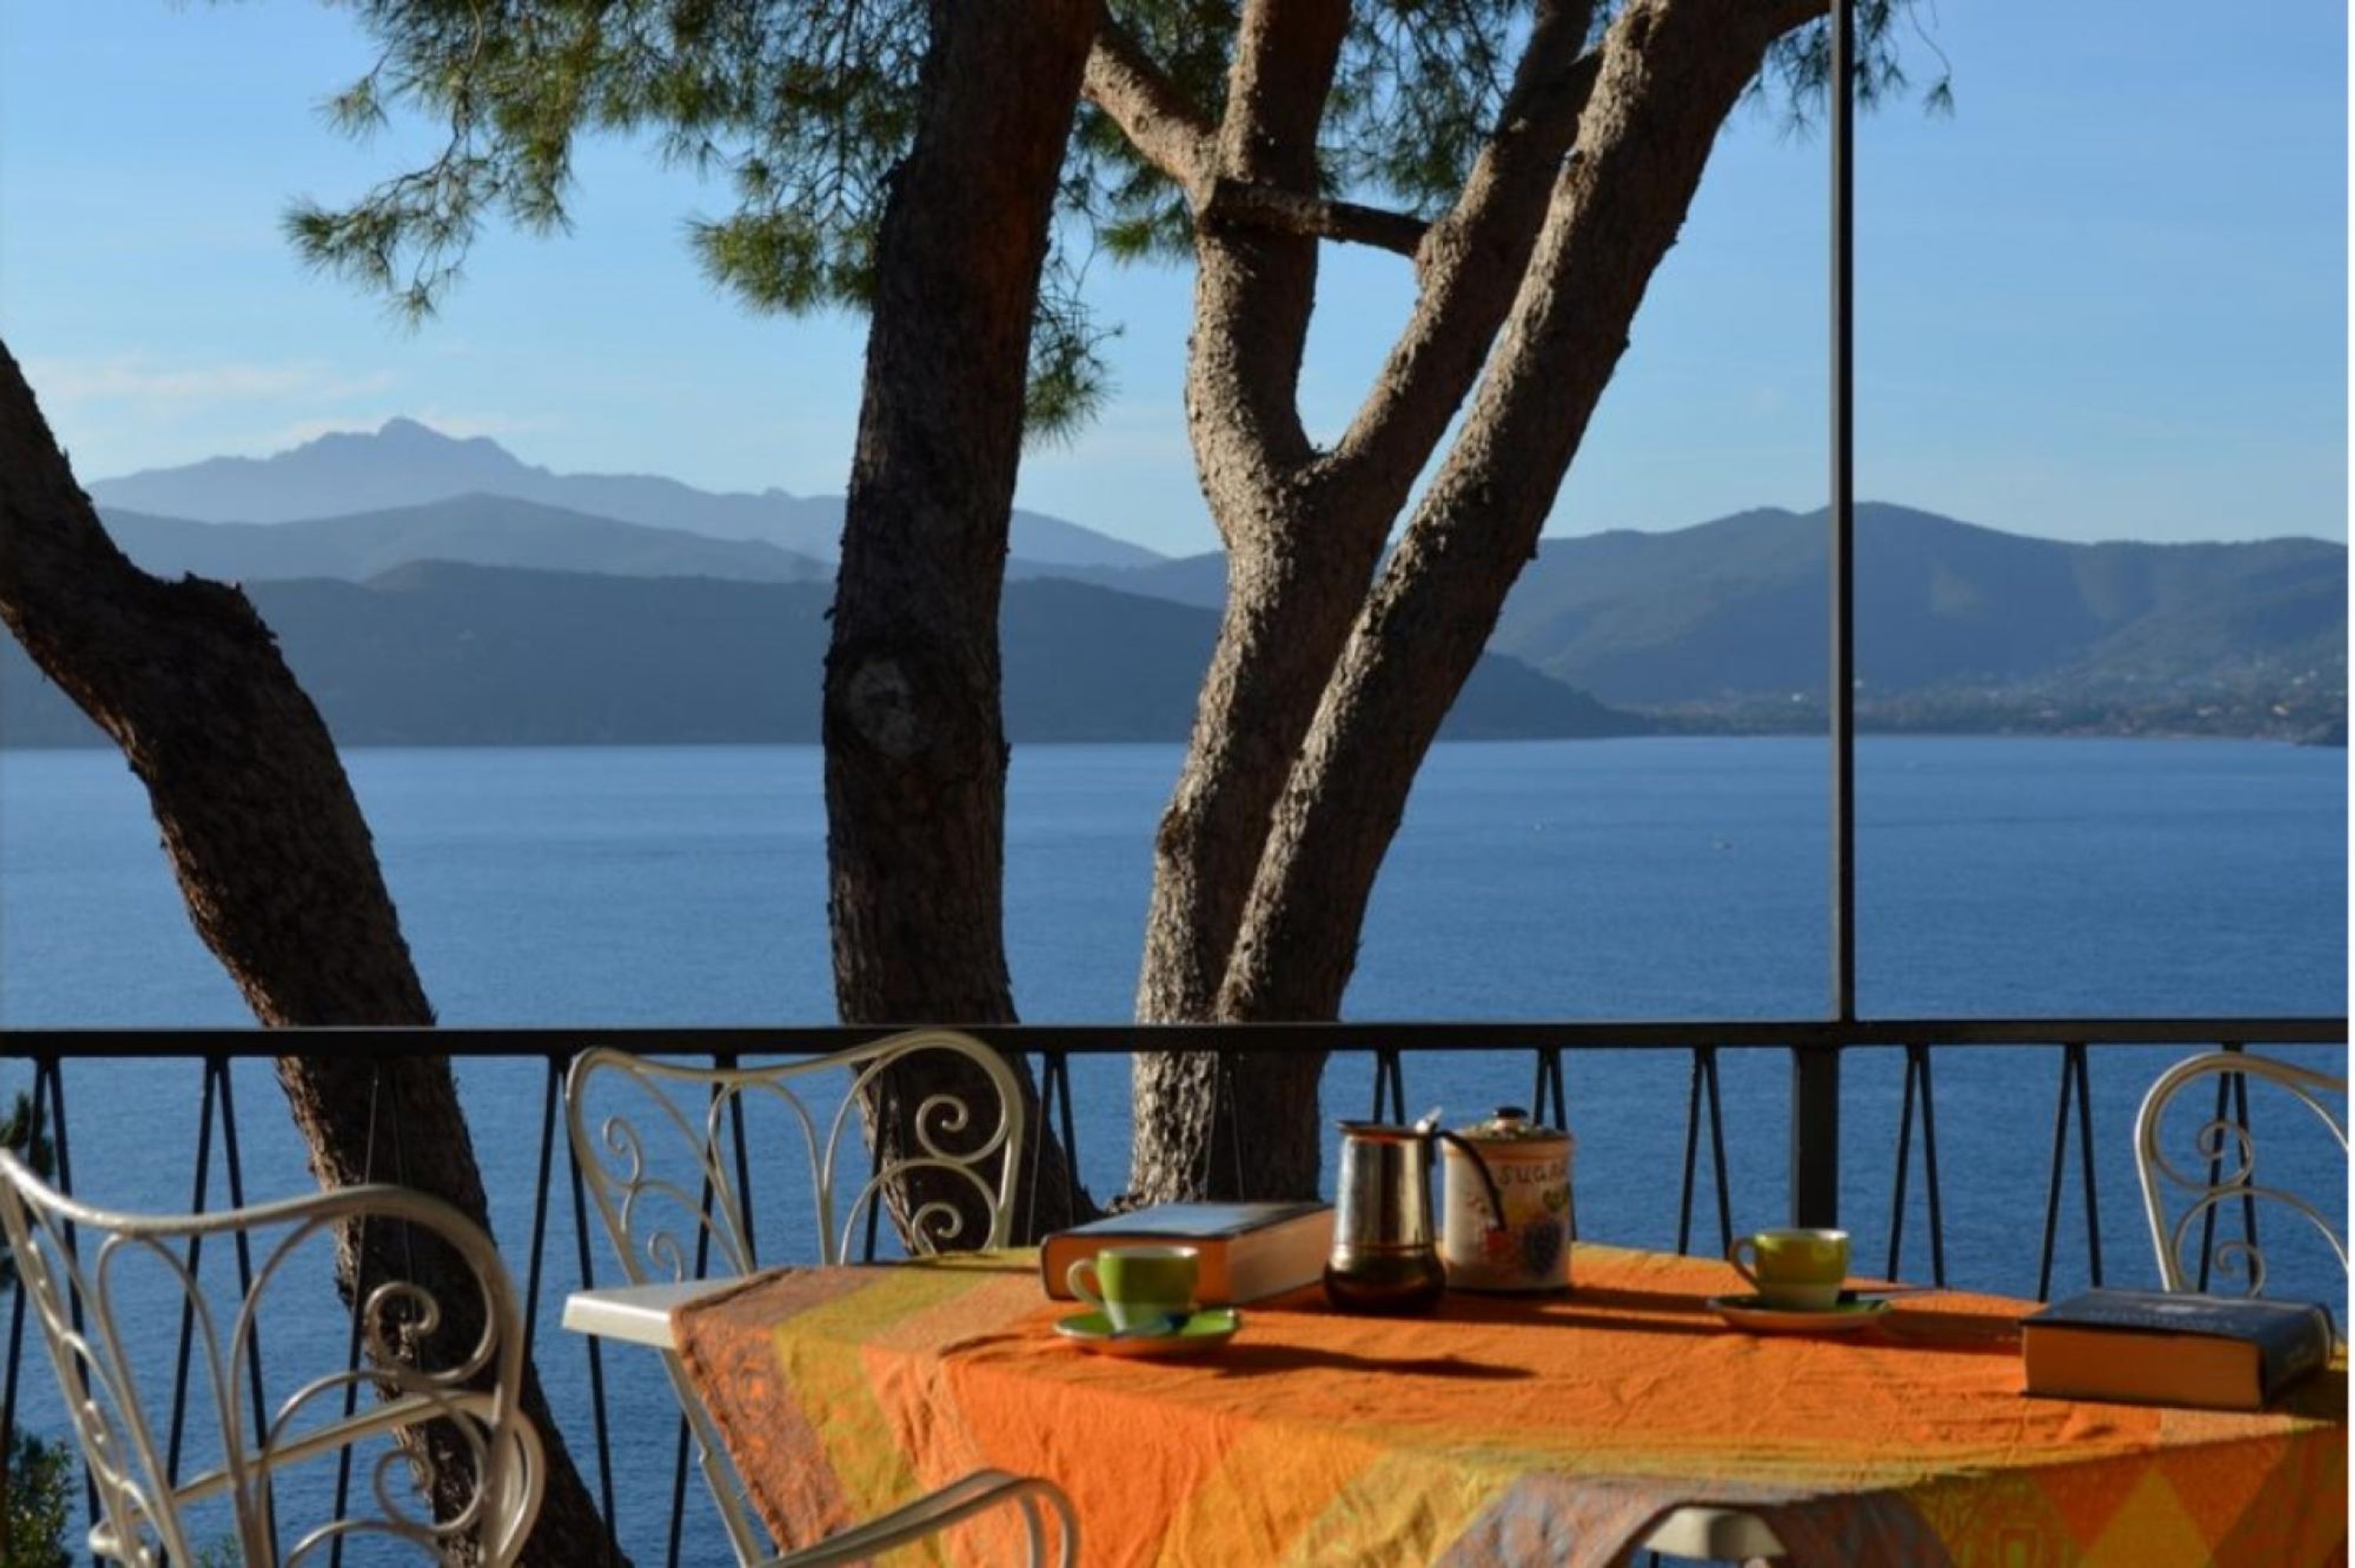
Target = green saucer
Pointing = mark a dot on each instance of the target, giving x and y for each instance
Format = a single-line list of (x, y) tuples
[(1203, 1331), (1752, 1316)]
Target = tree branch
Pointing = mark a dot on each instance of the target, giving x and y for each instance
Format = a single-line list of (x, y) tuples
[(190, 683), (1782, 16), (1244, 205), (1286, 52), (275, 866), (1151, 110), (1473, 258), (1256, 285), (1175, 136)]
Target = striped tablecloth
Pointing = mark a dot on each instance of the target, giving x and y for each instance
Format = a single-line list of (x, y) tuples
[(1500, 1432)]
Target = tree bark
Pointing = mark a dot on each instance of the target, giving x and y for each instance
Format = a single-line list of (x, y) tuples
[(1304, 532), (1288, 601), (278, 870), (1671, 71), (915, 747)]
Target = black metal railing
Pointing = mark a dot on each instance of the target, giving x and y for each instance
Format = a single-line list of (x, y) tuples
[(1814, 1050)]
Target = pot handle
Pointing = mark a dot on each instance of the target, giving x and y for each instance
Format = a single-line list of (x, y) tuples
[(1479, 1163)]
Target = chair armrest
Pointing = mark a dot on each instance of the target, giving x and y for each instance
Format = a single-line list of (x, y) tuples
[(950, 1505)]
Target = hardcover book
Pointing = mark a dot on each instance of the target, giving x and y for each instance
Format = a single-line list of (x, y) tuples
[(1250, 1251), (2150, 1347)]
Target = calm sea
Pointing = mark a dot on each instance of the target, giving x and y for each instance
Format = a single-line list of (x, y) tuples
[(1669, 878)]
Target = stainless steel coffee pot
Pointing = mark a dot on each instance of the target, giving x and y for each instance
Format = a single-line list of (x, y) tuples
[(1385, 1257)]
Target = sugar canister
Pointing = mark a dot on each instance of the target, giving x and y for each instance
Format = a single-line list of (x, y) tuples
[(1526, 1248)]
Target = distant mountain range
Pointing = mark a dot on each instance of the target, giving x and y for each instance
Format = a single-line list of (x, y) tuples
[(1725, 623), (1719, 626), (476, 530), (1738, 608), (406, 464), (437, 653)]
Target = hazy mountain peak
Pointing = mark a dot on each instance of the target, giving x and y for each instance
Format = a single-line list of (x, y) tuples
[(414, 438), (405, 463)]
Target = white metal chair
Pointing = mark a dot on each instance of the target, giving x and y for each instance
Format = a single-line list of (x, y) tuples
[(675, 1221), (2224, 1156), (82, 1268)]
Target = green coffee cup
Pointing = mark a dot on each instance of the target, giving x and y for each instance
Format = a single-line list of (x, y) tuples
[(1137, 1286), (1797, 1270)]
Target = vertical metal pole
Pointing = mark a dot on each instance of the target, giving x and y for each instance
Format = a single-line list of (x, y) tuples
[(1815, 1074), (16, 1322), (194, 1266), (540, 1201), (1905, 1158), (591, 1344), (1070, 1135), (1930, 1168), (1843, 516), (1717, 1150), (1815, 1135), (1692, 1155)]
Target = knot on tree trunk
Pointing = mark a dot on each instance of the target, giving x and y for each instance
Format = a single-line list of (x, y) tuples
[(879, 700)]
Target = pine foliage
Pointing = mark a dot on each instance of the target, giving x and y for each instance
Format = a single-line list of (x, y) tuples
[(804, 109)]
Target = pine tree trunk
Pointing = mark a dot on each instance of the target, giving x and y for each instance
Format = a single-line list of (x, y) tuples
[(1671, 71), (1299, 551), (1267, 854), (1247, 1127), (915, 747), (274, 861)]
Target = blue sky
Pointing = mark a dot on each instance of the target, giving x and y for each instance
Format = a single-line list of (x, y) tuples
[(2105, 299)]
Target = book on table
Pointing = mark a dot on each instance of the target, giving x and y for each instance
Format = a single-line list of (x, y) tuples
[(2152, 1347), (1249, 1251)]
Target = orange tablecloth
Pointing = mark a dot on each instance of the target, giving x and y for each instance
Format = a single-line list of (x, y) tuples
[(1502, 1431)]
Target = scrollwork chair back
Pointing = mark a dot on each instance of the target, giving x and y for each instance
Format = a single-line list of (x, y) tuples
[(2219, 1167), (81, 1269), (656, 1142), (673, 1218)]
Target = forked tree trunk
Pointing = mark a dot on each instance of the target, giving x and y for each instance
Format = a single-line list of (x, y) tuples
[(1322, 700), (915, 747), (1286, 616), (1304, 529), (278, 872), (1670, 74), (1298, 554)]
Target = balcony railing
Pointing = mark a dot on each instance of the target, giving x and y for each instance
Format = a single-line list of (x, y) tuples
[(2044, 1103)]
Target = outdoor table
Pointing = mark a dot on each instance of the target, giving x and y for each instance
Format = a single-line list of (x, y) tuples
[(1502, 1430)]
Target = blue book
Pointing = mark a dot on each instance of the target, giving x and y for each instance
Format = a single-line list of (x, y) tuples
[(2156, 1346), (1249, 1251)]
